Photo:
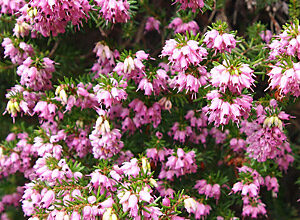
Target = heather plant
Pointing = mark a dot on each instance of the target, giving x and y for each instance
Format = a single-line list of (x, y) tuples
[(137, 109)]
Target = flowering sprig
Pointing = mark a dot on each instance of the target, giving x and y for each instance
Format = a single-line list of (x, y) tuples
[(179, 25), (224, 108), (184, 51), (232, 75), (218, 39), (193, 4), (286, 43), (52, 17)]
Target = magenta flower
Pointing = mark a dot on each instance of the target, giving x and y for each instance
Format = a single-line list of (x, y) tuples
[(114, 10), (17, 55), (36, 78), (237, 145), (107, 145), (266, 36), (193, 4), (133, 67), (75, 216), (49, 17), (207, 189), (219, 42), (180, 164), (180, 27), (286, 43), (146, 86), (179, 132), (272, 184), (190, 82), (265, 137), (152, 24), (233, 78), (111, 93), (265, 143), (183, 55), (221, 112), (253, 207), (198, 209), (287, 81), (11, 6), (48, 198), (131, 168), (104, 54)]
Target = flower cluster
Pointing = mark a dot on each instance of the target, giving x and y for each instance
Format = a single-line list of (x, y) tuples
[(249, 188), (220, 42), (10, 200), (111, 93), (36, 74), (197, 208), (178, 165), (183, 55), (133, 68), (159, 82), (221, 111), (80, 143), (17, 156), (106, 59), (180, 27), (285, 79), (193, 4), (105, 142), (198, 123), (17, 54), (143, 115), (129, 197), (51, 17), (11, 6), (267, 140), (285, 49), (209, 190), (152, 24), (235, 79), (190, 81), (237, 145), (114, 10), (286, 43)]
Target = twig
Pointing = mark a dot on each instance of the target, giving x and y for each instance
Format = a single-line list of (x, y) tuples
[(140, 31), (294, 122), (84, 56), (281, 19), (8, 67), (54, 48), (102, 32), (211, 17), (277, 27), (236, 6)]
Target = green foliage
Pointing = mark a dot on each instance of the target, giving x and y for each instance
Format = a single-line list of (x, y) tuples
[(294, 9)]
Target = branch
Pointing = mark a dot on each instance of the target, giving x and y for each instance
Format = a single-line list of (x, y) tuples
[(277, 26), (140, 31), (54, 48), (8, 67), (102, 32)]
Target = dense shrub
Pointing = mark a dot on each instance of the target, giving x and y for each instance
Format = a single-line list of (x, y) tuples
[(126, 109)]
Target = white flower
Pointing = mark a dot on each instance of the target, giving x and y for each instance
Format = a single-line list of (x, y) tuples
[(128, 65), (190, 204)]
